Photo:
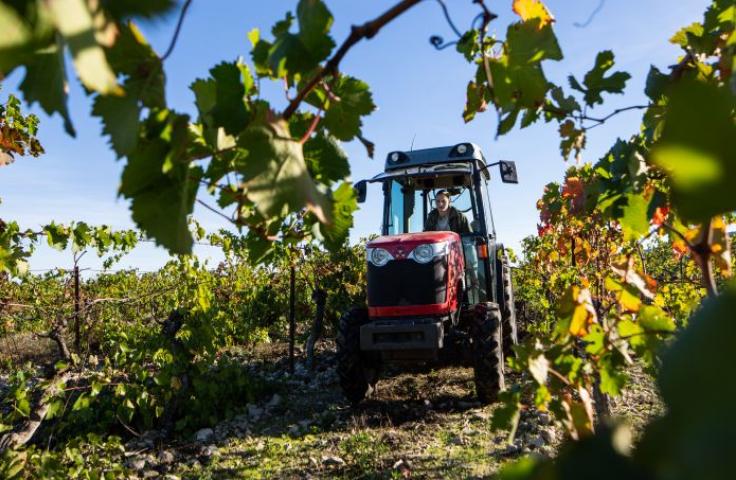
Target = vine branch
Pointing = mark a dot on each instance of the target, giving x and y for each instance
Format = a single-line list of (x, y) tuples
[(366, 31), (179, 24)]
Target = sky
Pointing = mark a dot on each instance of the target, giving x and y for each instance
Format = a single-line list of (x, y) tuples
[(419, 91)]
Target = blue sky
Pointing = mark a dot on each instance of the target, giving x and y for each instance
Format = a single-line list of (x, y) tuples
[(420, 93)]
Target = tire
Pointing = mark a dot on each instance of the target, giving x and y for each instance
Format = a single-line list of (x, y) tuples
[(357, 371), (487, 352), (508, 307)]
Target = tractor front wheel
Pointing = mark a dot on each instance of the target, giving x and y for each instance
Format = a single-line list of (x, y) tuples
[(357, 371), (487, 352)]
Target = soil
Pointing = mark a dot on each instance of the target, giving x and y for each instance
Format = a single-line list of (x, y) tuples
[(422, 424)]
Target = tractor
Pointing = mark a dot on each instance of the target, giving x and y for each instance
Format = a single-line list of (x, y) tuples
[(433, 297)]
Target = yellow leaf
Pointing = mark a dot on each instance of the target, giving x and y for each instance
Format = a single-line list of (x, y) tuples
[(721, 248), (625, 269), (175, 383), (529, 9)]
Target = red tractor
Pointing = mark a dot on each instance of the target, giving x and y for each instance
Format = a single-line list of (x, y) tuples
[(433, 296)]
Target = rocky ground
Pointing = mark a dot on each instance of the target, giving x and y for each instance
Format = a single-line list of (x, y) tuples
[(417, 425)]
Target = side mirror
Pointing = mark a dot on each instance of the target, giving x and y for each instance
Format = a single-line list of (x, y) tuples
[(361, 190), (508, 172)]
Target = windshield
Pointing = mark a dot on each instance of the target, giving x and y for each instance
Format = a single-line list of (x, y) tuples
[(409, 204)]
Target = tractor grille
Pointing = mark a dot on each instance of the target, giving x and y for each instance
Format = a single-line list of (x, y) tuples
[(406, 282)]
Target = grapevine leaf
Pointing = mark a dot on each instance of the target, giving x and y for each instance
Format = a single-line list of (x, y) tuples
[(229, 110), (57, 236), (566, 104), (507, 415), (344, 204), (596, 82), (507, 123), (612, 378), (315, 21), (635, 219), (514, 85), (571, 138), (75, 23), (626, 295), (656, 83), (162, 200), (45, 82), (576, 312), (475, 102), (653, 318), (277, 180), (691, 440), (683, 36), (326, 160), (468, 44), (720, 247), (697, 150), (120, 121), (533, 9), (529, 43), (342, 118), (538, 367)]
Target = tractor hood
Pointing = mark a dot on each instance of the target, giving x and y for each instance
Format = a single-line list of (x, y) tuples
[(399, 246)]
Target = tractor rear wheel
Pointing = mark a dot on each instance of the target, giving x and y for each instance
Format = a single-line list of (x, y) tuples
[(487, 352), (508, 307), (357, 371)]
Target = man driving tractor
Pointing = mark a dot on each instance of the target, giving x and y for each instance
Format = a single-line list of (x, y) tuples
[(446, 217)]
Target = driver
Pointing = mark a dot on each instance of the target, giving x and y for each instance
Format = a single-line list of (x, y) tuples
[(445, 217)]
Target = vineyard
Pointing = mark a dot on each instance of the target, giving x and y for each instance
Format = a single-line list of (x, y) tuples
[(624, 297)]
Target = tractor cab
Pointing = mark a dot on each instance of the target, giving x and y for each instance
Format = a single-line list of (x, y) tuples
[(432, 293)]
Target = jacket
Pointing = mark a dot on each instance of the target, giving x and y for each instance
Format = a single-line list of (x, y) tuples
[(457, 221)]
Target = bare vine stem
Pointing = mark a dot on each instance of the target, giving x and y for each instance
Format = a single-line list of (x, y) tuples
[(179, 24), (366, 31)]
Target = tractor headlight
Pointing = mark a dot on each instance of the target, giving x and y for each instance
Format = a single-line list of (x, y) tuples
[(425, 252), (378, 256)]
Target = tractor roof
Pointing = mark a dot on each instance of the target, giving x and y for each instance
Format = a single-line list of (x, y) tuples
[(460, 153)]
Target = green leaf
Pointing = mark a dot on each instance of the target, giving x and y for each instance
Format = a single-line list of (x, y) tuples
[(656, 83), (342, 118), (75, 23), (653, 318), (162, 201), (635, 219), (55, 408), (612, 377), (507, 123), (277, 180), (81, 403), (57, 236), (697, 150), (596, 81), (45, 82), (344, 204), (468, 44), (475, 102), (692, 439), (506, 415), (229, 110), (120, 121), (684, 35), (326, 160), (523, 86), (528, 44), (315, 21)]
